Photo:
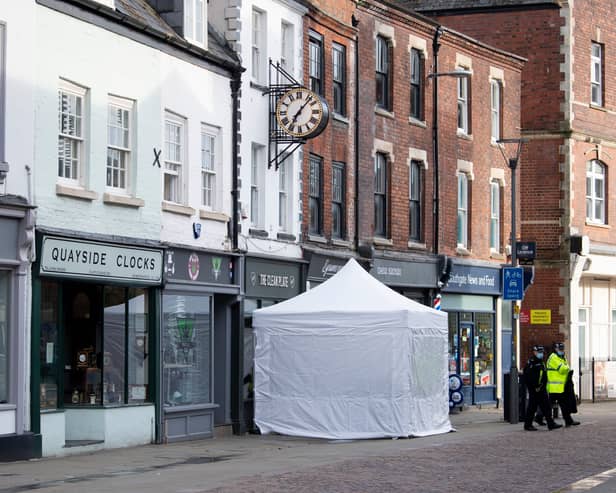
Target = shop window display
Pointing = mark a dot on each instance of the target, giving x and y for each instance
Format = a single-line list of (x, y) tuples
[(49, 349), (105, 347), (484, 350), (187, 343)]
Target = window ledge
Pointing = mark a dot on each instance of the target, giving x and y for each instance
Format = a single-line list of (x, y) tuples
[(417, 246), (214, 216), (341, 243), (463, 251), (597, 225), (258, 86), (383, 241), (497, 255), (464, 135), (8, 407), (76, 193), (259, 233), (417, 123), (286, 237), (383, 112), (183, 210), (597, 107), (317, 239), (340, 118), (115, 199)]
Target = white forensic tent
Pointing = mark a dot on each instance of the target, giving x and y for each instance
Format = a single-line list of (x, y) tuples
[(350, 359)]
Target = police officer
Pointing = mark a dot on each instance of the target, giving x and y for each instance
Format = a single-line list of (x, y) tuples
[(535, 376), (558, 373)]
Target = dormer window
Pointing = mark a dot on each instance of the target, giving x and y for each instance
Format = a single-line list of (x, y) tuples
[(195, 22)]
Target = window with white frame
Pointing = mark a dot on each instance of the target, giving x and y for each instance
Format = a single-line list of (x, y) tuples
[(415, 193), (596, 74), (257, 164), (287, 46), (285, 173), (174, 158), (71, 126), (463, 103), (495, 108), (462, 225), (195, 21), (595, 192), (119, 128), (209, 167), (495, 220), (381, 196), (259, 55)]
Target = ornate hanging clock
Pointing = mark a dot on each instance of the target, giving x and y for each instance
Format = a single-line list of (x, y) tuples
[(302, 113)]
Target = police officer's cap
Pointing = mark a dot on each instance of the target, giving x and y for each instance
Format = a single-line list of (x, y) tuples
[(559, 345), (537, 347)]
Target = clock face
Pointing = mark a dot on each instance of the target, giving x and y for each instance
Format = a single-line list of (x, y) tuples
[(301, 113)]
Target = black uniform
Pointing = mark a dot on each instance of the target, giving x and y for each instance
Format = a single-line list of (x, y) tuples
[(536, 379)]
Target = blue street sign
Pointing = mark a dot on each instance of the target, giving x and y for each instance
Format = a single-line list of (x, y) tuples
[(513, 283)]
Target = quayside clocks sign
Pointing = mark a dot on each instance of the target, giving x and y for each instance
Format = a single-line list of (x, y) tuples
[(89, 259)]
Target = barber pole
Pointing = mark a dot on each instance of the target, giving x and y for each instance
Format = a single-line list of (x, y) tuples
[(437, 302)]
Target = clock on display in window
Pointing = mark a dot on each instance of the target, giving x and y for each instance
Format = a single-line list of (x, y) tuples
[(302, 113)]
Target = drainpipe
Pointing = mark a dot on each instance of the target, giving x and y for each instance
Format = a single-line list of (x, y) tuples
[(355, 23), (435, 197), (236, 82)]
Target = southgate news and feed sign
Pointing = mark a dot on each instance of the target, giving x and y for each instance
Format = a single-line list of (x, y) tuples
[(90, 259)]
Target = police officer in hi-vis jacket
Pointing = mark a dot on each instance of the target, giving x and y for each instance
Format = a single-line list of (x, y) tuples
[(536, 378), (558, 372)]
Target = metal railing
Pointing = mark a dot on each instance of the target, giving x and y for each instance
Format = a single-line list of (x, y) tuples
[(597, 379)]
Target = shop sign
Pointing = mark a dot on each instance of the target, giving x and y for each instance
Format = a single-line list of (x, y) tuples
[(198, 267), (322, 267), (402, 273), (270, 279), (471, 279), (95, 260), (541, 317)]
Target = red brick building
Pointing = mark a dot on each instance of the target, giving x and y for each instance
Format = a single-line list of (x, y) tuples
[(420, 243), (568, 114)]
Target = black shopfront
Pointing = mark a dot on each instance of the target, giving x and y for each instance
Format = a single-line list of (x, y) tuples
[(199, 325)]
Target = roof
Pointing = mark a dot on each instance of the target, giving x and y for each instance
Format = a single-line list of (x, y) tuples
[(438, 5)]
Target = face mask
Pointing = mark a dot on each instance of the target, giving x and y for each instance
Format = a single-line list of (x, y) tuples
[(560, 353), (540, 355)]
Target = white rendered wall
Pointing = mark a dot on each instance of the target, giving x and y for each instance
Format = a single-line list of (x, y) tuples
[(7, 421), (105, 63), (53, 431), (200, 97), (254, 128)]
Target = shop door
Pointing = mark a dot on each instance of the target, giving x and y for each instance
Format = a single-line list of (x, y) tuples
[(465, 364)]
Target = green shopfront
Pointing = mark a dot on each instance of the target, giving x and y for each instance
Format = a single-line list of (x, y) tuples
[(471, 298), (94, 331)]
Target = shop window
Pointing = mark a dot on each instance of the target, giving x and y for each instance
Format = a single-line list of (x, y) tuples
[(187, 349), (5, 277), (106, 345), (484, 349), (49, 349)]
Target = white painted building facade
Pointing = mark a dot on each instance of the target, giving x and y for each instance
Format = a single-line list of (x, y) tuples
[(132, 155), (16, 223)]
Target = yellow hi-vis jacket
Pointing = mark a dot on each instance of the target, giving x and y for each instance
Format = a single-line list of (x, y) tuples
[(558, 369)]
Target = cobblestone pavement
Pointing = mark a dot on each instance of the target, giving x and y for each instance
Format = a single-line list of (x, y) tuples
[(485, 455), (505, 462)]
